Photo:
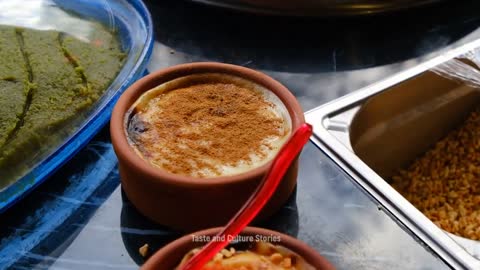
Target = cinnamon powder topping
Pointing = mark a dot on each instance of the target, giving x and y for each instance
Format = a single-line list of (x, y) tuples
[(202, 129)]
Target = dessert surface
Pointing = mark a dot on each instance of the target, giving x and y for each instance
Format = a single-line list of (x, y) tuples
[(262, 255), (208, 127), (48, 79)]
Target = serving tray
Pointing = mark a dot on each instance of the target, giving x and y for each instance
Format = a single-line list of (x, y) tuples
[(398, 118), (320, 8)]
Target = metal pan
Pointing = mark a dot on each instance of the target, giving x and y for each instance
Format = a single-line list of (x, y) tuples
[(375, 131), (317, 7)]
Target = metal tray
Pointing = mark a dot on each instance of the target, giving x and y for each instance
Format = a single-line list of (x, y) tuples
[(320, 8), (349, 128)]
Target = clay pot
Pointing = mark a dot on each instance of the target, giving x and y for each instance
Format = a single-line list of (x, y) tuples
[(188, 203), (170, 256)]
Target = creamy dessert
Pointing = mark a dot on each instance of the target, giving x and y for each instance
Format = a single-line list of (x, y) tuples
[(262, 255), (208, 125)]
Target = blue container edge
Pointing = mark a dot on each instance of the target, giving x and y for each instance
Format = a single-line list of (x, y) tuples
[(15, 192)]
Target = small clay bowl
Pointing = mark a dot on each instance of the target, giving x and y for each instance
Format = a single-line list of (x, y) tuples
[(170, 256), (188, 203)]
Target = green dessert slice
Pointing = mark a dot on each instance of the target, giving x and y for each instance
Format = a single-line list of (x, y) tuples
[(99, 60), (13, 83), (60, 92), (59, 95), (62, 77)]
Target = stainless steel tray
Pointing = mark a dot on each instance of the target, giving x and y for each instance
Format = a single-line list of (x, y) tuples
[(369, 142), (317, 7)]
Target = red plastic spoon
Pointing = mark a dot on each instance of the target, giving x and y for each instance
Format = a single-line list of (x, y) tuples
[(256, 201)]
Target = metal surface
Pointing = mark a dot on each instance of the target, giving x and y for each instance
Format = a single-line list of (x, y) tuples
[(370, 141), (317, 7)]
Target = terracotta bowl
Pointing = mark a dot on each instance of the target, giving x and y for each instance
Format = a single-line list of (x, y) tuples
[(170, 256), (188, 203)]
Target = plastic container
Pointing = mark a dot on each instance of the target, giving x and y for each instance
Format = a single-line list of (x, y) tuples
[(130, 20)]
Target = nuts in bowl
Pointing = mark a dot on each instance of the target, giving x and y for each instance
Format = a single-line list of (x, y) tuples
[(255, 248)]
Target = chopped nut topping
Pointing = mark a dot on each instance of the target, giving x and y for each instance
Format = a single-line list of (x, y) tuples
[(276, 258), (143, 250), (444, 183), (287, 262)]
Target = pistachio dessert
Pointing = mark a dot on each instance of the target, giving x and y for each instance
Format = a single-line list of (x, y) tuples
[(48, 80), (263, 255), (13, 89)]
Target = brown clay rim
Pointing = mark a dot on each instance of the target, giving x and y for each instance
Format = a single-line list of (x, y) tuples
[(127, 154), (310, 255)]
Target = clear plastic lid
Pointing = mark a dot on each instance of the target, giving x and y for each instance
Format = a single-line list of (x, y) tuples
[(55, 15), (79, 56)]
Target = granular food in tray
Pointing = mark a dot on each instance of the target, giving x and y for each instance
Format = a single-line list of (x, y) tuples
[(445, 182)]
